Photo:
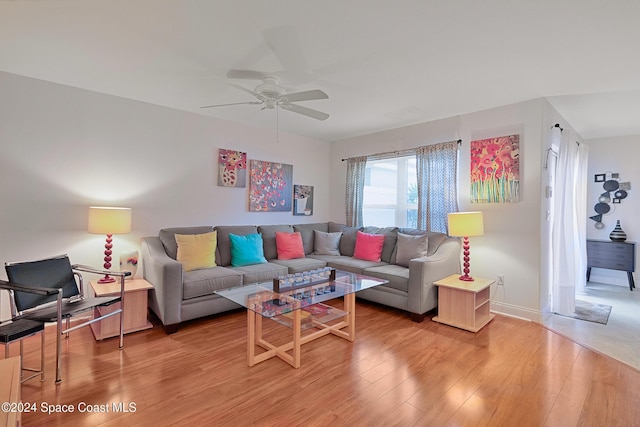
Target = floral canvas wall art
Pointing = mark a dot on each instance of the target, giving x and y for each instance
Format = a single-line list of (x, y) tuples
[(495, 170), (232, 168), (270, 186), (303, 199)]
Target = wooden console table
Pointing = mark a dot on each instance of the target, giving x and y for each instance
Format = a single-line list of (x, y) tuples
[(613, 256), (464, 305)]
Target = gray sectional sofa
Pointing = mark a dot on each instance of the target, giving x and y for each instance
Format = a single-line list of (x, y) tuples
[(180, 295)]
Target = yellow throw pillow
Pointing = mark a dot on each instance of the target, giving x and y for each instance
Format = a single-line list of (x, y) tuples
[(197, 251)]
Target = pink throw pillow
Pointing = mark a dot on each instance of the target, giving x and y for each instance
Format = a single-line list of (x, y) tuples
[(368, 246), (289, 245)]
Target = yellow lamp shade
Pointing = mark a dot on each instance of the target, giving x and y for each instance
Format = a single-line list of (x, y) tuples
[(107, 220), (465, 224)]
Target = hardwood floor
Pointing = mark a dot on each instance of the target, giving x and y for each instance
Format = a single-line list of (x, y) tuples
[(396, 373)]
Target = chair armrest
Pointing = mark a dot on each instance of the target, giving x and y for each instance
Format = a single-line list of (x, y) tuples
[(29, 289), (424, 271), (88, 269), (165, 275)]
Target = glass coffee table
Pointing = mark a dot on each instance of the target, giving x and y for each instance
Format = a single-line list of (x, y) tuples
[(300, 309)]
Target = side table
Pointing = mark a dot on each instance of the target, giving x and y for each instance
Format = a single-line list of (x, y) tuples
[(464, 305), (135, 308)]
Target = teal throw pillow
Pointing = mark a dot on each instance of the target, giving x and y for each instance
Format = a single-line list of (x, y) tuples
[(246, 250)]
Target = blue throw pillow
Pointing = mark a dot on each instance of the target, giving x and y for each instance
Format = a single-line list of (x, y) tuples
[(246, 250)]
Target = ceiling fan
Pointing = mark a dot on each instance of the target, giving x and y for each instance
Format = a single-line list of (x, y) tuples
[(271, 94)]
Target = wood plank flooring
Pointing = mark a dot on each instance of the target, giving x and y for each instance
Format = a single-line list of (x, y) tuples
[(396, 373)]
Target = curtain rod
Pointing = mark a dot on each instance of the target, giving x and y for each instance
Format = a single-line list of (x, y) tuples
[(407, 151)]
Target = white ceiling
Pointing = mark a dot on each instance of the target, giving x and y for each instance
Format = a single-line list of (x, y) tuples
[(384, 64)]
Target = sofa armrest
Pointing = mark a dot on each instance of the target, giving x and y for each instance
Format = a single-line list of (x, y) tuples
[(165, 274), (426, 270)]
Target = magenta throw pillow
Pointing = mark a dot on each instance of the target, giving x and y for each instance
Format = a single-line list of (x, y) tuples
[(289, 245), (368, 246)]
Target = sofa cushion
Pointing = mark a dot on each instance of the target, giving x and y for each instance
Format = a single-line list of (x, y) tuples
[(246, 250), (435, 238), (223, 256), (410, 247), (269, 238), (397, 276), (289, 245), (260, 272), (368, 246), (390, 237), (326, 243), (203, 282), (301, 264), (347, 263), (348, 239), (197, 251), (306, 231), (167, 237)]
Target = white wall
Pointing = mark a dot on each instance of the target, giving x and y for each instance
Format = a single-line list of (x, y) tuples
[(511, 243), (614, 155), (65, 149)]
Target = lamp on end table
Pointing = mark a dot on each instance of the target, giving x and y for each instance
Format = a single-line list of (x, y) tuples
[(465, 224), (109, 221)]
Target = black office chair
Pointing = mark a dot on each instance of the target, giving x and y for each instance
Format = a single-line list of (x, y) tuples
[(69, 299)]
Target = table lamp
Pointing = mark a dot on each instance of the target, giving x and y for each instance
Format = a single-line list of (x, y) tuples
[(465, 224), (109, 221)]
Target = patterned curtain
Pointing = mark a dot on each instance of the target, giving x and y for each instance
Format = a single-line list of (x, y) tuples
[(437, 169), (355, 190)]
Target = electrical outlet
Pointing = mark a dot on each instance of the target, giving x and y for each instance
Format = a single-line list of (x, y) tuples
[(500, 279)]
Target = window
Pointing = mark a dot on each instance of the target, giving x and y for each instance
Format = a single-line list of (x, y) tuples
[(391, 192)]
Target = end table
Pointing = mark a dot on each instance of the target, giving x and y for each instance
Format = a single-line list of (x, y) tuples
[(135, 308), (464, 305)]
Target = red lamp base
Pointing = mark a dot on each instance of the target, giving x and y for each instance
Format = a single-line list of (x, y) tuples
[(466, 260), (107, 260), (107, 279)]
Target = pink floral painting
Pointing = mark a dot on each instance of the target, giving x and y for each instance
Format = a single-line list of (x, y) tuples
[(232, 168), (495, 170), (270, 186)]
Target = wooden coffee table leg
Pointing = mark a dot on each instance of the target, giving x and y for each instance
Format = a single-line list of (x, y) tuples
[(251, 337), (296, 338), (350, 308)]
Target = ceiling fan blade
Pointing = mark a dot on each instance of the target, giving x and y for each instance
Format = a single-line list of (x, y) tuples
[(304, 96), (246, 74), (314, 114), (233, 103)]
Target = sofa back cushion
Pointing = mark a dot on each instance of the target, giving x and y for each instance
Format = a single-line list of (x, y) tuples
[(348, 239), (223, 254), (390, 238), (246, 250), (308, 236), (168, 239), (289, 245), (269, 238)]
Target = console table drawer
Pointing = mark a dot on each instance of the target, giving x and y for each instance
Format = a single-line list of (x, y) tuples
[(626, 256), (611, 264)]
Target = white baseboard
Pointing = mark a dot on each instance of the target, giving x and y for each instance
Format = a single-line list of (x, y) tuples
[(516, 311)]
